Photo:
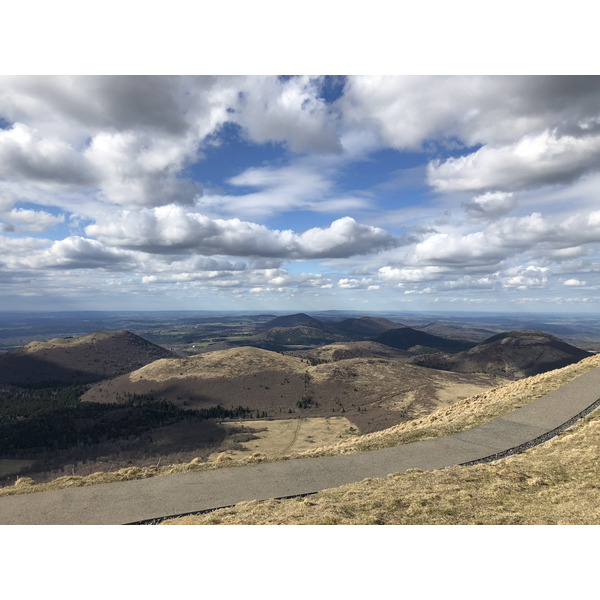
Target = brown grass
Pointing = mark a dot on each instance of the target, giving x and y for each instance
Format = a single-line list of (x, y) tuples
[(464, 414), (555, 483), (460, 416), (229, 363)]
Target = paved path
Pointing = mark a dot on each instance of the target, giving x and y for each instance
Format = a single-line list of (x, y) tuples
[(145, 499)]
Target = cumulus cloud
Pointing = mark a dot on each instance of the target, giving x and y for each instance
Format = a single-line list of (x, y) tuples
[(31, 220), (411, 274), (26, 154), (137, 170), (344, 237), (508, 237), (490, 205), (547, 133), (289, 111), (170, 229), (410, 111), (79, 253), (357, 284), (534, 160), (526, 278), (118, 158), (261, 280), (131, 137)]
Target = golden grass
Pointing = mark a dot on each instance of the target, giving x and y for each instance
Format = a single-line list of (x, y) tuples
[(555, 483), (284, 436), (69, 342), (233, 362), (462, 415)]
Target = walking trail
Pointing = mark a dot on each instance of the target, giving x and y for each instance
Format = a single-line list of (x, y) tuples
[(146, 499)]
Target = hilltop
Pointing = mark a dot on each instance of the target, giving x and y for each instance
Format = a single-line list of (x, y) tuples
[(407, 338), (344, 350), (512, 354), (284, 338), (462, 333), (293, 321), (372, 393), (365, 326), (76, 360)]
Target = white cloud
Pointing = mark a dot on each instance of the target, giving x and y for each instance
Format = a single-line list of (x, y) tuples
[(525, 278), (410, 111), (170, 229), (534, 160), (115, 158), (80, 253), (302, 185), (131, 137), (25, 154), (31, 220), (411, 274), (288, 111), (356, 284), (490, 205)]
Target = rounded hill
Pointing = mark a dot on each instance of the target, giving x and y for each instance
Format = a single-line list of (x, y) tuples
[(511, 354), (373, 393), (367, 327), (75, 360), (293, 321)]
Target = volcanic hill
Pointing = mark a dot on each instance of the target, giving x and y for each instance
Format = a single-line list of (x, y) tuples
[(345, 350), (457, 332), (407, 338), (293, 321), (373, 393), (77, 360), (512, 354), (365, 326)]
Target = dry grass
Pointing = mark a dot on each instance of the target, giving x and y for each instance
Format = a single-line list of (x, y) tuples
[(229, 363), (68, 342), (285, 436), (460, 416), (464, 414), (555, 483)]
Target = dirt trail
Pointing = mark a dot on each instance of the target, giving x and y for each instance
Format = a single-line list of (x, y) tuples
[(297, 430)]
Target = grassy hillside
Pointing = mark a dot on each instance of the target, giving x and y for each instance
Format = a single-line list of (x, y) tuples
[(78, 360), (565, 469), (553, 483), (512, 354), (373, 393), (407, 338)]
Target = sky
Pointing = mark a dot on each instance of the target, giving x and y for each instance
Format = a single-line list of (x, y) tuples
[(361, 192)]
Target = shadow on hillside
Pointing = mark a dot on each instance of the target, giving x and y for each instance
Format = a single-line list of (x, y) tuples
[(31, 371), (171, 444)]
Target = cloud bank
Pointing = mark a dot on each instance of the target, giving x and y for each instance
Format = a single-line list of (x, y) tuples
[(389, 189)]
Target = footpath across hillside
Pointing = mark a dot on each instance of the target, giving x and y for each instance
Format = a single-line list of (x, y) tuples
[(147, 499)]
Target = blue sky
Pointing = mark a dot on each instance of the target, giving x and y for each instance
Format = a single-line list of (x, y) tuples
[(299, 193)]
